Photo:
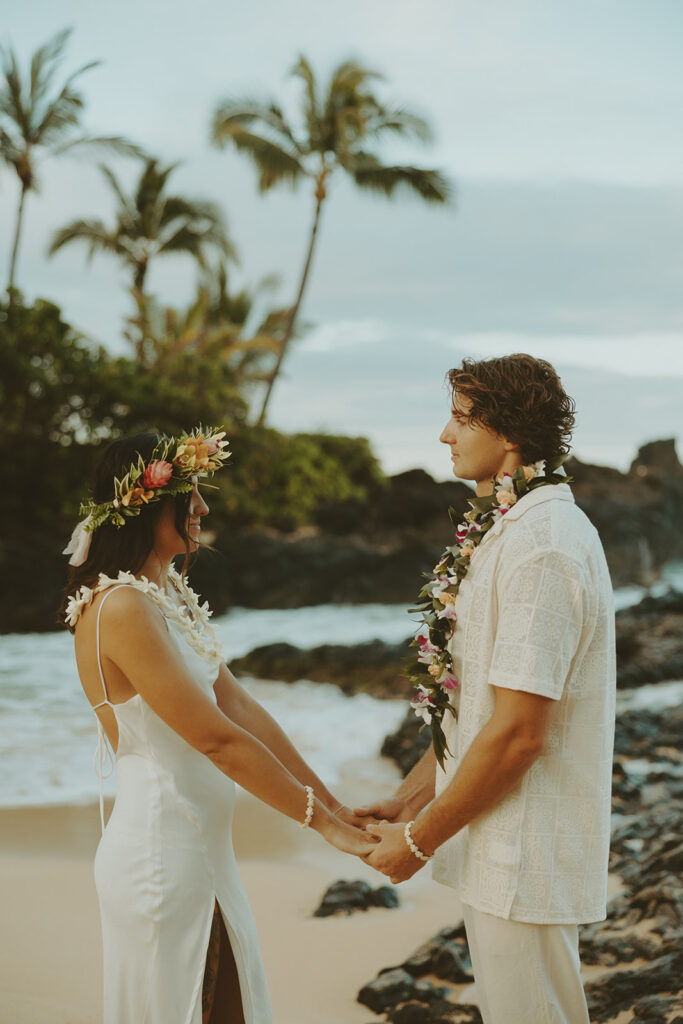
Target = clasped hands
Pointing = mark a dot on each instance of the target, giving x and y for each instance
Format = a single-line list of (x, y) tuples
[(385, 823)]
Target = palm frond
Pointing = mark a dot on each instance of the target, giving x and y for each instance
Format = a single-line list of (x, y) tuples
[(175, 207), (114, 184), (50, 125), (12, 103), (273, 163), (92, 232), (304, 71), (232, 114), (42, 63), (188, 240), (8, 151), (402, 122), (431, 185), (263, 342), (62, 112), (201, 216), (115, 143), (349, 77), (279, 122), (150, 185)]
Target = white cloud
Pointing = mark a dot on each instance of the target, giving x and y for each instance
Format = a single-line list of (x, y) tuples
[(638, 355), (344, 333)]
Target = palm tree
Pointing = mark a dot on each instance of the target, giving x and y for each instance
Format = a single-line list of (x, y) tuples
[(337, 127), (151, 223), (36, 115), (217, 322)]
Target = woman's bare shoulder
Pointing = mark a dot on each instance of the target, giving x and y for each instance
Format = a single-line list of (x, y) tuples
[(124, 607)]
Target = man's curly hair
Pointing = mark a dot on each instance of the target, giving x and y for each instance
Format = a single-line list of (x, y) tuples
[(521, 399)]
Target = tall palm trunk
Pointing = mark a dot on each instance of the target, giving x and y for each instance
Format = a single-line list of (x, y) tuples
[(15, 248), (139, 277), (140, 274), (291, 320)]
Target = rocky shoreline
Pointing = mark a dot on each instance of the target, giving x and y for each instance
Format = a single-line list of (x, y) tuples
[(375, 551), (633, 959), (649, 650)]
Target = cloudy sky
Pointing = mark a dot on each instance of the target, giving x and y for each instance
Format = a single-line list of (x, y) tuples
[(559, 124)]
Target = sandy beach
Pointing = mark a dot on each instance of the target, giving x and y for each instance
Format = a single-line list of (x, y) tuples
[(50, 949)]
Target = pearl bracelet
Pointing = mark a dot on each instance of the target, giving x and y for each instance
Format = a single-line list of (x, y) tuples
[(412, 845), (310, 805)]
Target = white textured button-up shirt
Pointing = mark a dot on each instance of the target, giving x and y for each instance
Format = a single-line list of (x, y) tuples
[(535, 613)]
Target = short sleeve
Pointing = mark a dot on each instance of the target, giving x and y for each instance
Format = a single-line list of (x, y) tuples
[(540, 622)]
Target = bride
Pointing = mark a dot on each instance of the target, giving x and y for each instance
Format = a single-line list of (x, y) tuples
[(179, 941)]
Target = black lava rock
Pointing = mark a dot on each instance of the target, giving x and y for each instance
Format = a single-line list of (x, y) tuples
[(388, 990), (344, 897)]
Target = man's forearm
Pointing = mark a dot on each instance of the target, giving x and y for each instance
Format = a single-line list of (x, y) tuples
[(417, 789), (494, 764)]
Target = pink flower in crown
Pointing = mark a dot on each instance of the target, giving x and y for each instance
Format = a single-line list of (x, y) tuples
[(214, 443), (447, 612), (157, 474)]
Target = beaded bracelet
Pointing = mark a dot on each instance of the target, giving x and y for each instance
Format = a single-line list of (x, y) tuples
[(310, 805), (412, 845)]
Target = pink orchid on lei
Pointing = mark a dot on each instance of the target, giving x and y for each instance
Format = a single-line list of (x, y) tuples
[(433, 672)]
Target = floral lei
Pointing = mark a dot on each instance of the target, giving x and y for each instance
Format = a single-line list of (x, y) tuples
[(174, 463), (192, 616), (433, 674)]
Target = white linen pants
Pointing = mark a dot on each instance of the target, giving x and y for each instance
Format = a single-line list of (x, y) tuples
[(525, 973)]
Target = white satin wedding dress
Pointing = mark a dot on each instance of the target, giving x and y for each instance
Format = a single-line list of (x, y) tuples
[(166, 856)]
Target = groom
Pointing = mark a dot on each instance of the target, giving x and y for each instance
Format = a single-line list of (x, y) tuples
[(518, 820)]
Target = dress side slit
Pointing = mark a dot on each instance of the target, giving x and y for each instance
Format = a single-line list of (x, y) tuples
[(221, 994)]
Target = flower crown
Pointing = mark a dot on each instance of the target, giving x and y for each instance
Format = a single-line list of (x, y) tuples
[(172, 469)]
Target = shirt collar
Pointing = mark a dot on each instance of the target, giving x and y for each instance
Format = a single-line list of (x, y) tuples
[(549, 492)]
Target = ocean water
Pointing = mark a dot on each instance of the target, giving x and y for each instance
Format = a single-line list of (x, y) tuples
[(48, 732)]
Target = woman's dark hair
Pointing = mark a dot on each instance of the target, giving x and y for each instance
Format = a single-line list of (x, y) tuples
[(520, 398), (126, 547)]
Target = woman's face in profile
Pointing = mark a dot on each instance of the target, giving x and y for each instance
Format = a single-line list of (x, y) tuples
[(197, 509), (168, 541)]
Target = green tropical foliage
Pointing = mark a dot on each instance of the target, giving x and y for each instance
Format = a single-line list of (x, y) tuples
[(340, 126), (41, 118), (63, 397), (150, 223), (284, 481), (215, 323)]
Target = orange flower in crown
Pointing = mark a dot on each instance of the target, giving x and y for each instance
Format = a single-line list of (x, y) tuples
[(197, 450), (136, 496)]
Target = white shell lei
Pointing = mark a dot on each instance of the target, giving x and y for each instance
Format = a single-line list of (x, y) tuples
[(199, 633)]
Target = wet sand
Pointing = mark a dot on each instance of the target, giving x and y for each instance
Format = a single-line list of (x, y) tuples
[(50, 947)]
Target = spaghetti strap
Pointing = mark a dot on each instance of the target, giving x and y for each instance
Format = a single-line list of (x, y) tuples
[(97, 642), (104, 755)]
